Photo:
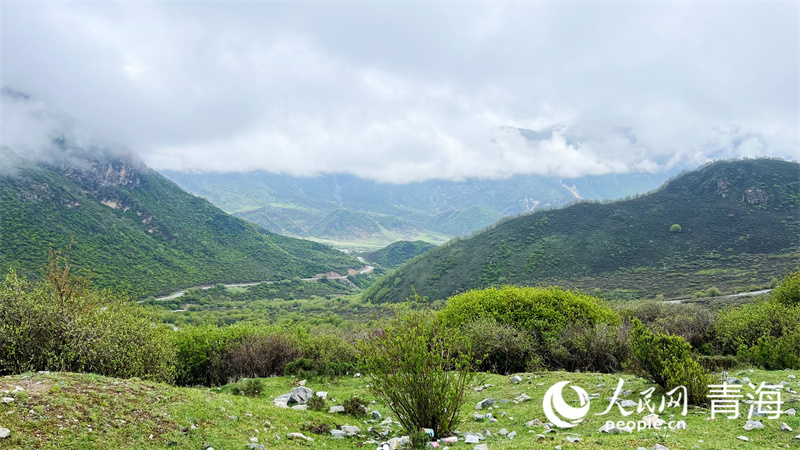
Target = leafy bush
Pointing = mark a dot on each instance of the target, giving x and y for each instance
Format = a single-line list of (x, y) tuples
[(668, 360), (63, 324), (316, 403), (691, 322), (745, 325), (251, 387), (774, 353), (500, 348), (355, 407), (595, 348), (675, 228), (543, 312), (788, 291), (316, 427), (418, 371), (261, 354)]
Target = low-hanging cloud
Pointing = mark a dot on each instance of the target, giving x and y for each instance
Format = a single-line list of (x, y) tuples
[(403, 93)]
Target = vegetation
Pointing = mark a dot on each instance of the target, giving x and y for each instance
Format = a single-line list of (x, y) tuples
[(396, 254), (416, 369), (138, 232), (740, 225)]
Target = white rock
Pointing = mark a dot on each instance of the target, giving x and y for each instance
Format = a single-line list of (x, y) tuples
[(785, 427), (7, 400), (659, 447), (4, 432), (299, 436), (516, 379), (743, 438), (322, 394), (753, 424)]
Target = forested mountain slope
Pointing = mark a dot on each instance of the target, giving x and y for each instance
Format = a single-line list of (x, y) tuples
[(737, 221)]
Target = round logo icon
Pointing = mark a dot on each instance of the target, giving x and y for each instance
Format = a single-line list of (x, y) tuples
[(557, 410)]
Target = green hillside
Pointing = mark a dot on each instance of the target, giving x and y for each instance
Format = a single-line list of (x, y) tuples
[(738, 226), (135, 229), (393, 255), (457, 223)]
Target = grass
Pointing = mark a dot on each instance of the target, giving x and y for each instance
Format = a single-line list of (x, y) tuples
[(64, 410)]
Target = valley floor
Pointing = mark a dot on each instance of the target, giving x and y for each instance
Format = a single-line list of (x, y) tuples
[(76, 411)]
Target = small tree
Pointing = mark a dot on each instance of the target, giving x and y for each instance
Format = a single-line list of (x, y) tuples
[(675, 228), (418, 370)]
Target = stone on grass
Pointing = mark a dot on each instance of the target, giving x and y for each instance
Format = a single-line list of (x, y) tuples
[(743, 438), (790, 412), (322, 394), (785, 427), (478, 417), (4, 433), (573, 439), (733, 380), (300, 395), (299, 407), (753, 424), (338, 434), (516, 379), (376, 415), (660, 447), (512, 434), (7, 400), (503, 431), (481, 447), (532, 423), (471, 439), (351, 430), (255, 447), (628, 403), (791, 377), (336, 409), (485, 403), (521, 398)]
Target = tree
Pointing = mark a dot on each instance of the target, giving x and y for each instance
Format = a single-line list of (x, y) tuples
[(675, 228)]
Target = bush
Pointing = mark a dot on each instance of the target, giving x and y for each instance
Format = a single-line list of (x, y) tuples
[(774, 353), (692, 322), (418, 371), (63, 324), (788, 291), (745, 325), (675, 228), (542, 312), (668, 360), (261, 354), (316, 403), (590, 348), (500, 348), (355, 407), (252, 387)]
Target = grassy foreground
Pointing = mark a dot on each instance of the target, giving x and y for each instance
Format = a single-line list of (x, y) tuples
[(65, 410)]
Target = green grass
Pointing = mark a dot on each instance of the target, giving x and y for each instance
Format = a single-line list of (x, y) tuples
[(56, 411)]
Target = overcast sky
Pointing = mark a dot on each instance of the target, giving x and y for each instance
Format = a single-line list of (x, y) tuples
[(401, 92)]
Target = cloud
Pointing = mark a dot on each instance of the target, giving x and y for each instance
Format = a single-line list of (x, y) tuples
[(420, 91)]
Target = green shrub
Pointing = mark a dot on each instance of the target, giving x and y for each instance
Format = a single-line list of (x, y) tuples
[(251, 387), (355, 407), (675, 228), (500, 348), (692, 322), (63, 324), (261, 354), (418, 370), (316, 403), (542, 312), (590, 348), (774, 353), (745, 325), (788, 291), (668, 360)]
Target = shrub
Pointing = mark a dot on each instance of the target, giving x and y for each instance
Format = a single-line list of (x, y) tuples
[(252, 387), (774, 353), (316, 427), (261, 354), (355, 407), (675, 228), (692, 322), (788, 291), (542, 312), (416, 368), (668, 360), (63, 324), (595, 348), (316, 403), (500, 348), (745, 325)]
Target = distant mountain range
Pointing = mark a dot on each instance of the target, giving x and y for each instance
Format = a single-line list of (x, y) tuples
[(136, 230), (358, 212), (735, 224)]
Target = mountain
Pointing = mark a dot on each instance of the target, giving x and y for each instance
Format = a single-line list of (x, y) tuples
[(135, 229), (395, 254), (299, 206), (737, 223)]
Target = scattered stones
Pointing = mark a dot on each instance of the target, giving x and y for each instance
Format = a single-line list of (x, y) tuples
[(533, 423), (792, 377), (516, 379), (753, 424), (351, 430), (628, 403), (743, 438), (338, 434), (4, 433), (471, 439), (521, 398), (336, 409), (733, 380), (485, 403), (540, 437), (785, 427)]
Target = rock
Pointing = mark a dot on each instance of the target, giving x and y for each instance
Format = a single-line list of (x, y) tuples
[(660, 447), (282, 401), (512, 434), (503, 431), (300, 407), (492, 419), (300, 395), (533, 423), (358, 375), (255, 447), (485, 403), (481, 447), (573, 439), (478, 417), (540, 437), (522, 398), (628, 403), (652, 420), (351, 430), (743, 438), (785, 427), (792, 377), (471, 439), (790, 412), (733, 380), (752, 425), (558, 447), (254, 440), (338, 434), (746, 380), (336, 409), (4, 433), (516, 379), (233, 417), (322, 394), (7, 400)]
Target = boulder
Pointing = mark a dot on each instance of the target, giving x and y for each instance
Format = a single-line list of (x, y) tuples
[(485, 403), (336, 409)]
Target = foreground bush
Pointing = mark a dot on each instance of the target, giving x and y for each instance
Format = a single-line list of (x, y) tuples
[(419, 373), (745, 325), (668, 361), (788, 291), (63, 324)]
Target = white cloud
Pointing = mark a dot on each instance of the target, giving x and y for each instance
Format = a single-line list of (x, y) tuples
[(412, 92)]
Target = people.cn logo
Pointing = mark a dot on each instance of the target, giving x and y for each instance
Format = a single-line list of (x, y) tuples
[(564, 416)]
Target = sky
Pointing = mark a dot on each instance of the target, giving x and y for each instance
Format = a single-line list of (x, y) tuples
[(402, 92)]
